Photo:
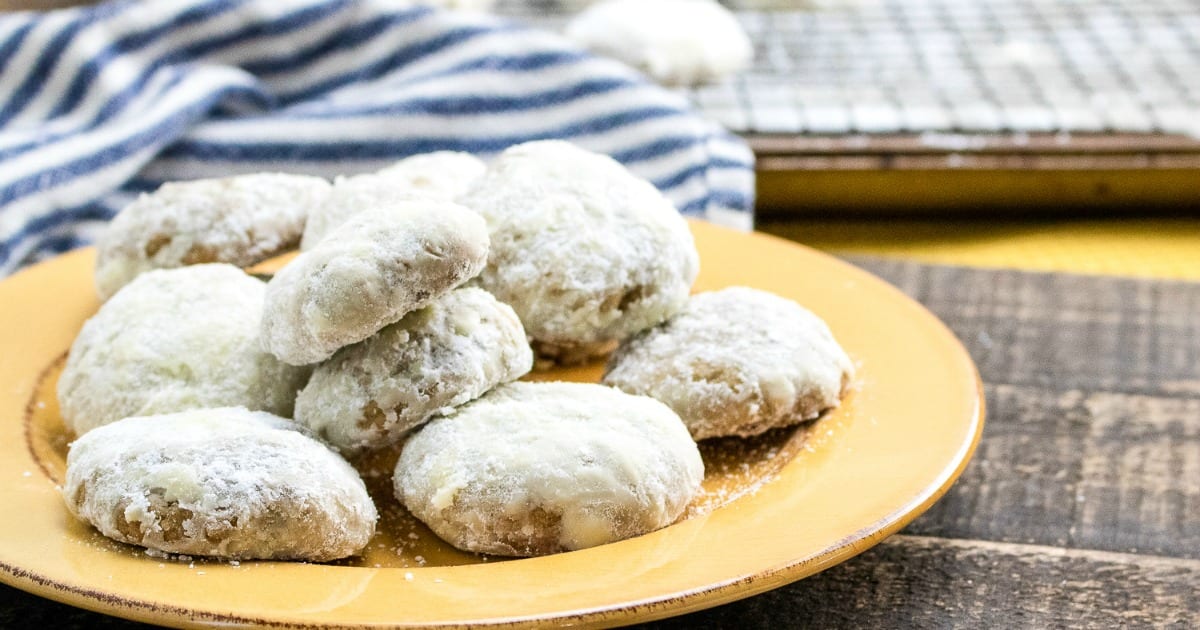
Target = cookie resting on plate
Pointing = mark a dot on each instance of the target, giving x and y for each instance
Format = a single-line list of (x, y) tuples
[(435, 358), (539, 468), (222, 482), (241, 220), (736, 362), (171, 340), (440, 175), (585, 252), (368, 273)]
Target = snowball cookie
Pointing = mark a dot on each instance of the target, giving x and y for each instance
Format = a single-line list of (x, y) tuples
[(736, 362), (369, 272), (584, 251), (440, 175), (676, 42), (175, 339), (441, 356), (223, 482), (239, 220), (537, 468)]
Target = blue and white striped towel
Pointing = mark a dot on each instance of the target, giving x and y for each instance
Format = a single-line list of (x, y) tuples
[(102, 103)]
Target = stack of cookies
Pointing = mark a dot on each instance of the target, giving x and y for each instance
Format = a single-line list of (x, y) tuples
[(214, 410)]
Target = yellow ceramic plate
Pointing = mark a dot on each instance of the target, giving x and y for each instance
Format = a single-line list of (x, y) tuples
[(775, 509)]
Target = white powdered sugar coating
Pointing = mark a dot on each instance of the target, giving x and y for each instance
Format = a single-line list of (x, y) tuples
[(440, 175), (584, 251), (538, 468), (223, 482), (239, 220), (676, 42), (738, 362), (368, 273), (175, 339), (437, 357)]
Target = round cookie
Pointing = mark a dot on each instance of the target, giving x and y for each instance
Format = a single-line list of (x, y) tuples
[(440, 175), (676, 42), (584, 251), (240, 220), (538, 468), (369, 272), (175, 339), (223, 482), (437, 357), (736, 362)]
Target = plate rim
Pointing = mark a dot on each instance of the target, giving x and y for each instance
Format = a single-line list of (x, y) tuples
[(646, 609)]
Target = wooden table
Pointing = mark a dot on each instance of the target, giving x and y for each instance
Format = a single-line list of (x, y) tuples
[(1081, 507)]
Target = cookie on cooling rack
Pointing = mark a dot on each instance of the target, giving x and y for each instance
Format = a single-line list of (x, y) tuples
[(736, 362), (538, 468), (222, 482), (676, 42), (175, 339), (584, 251), (239, 220), (435, 358)]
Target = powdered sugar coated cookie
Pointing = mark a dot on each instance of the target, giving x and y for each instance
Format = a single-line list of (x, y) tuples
[(440, 175), (368, 273), (538, 468), (435, 358), (677, 42), (238, 220), (736, 362), (175, 339), (222, 482), (585, 252)]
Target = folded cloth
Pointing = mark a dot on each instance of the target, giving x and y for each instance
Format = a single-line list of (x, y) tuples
[(102, 103)]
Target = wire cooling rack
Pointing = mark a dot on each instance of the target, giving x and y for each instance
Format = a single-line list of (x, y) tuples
[(1048, 105), (971, 66)]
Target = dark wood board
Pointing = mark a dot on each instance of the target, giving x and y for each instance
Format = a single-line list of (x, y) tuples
[(918, 582), (962, 174), (1081, 507)]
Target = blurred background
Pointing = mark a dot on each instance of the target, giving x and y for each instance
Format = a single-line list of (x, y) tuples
[(1046, 134)]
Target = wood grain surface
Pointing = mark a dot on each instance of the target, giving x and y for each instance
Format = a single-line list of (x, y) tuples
[(1081, 507)]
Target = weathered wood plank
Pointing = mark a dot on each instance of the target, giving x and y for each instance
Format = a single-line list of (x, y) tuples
[(1062, 331), (1114, 472), (1093, 432), (906, 581), (1139, 488), (919, 582), (19, 609)]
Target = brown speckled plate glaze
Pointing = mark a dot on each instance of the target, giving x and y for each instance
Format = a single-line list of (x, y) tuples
[(775, 509)]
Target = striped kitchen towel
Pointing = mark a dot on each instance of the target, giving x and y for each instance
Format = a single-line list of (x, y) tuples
[(99, 104)]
